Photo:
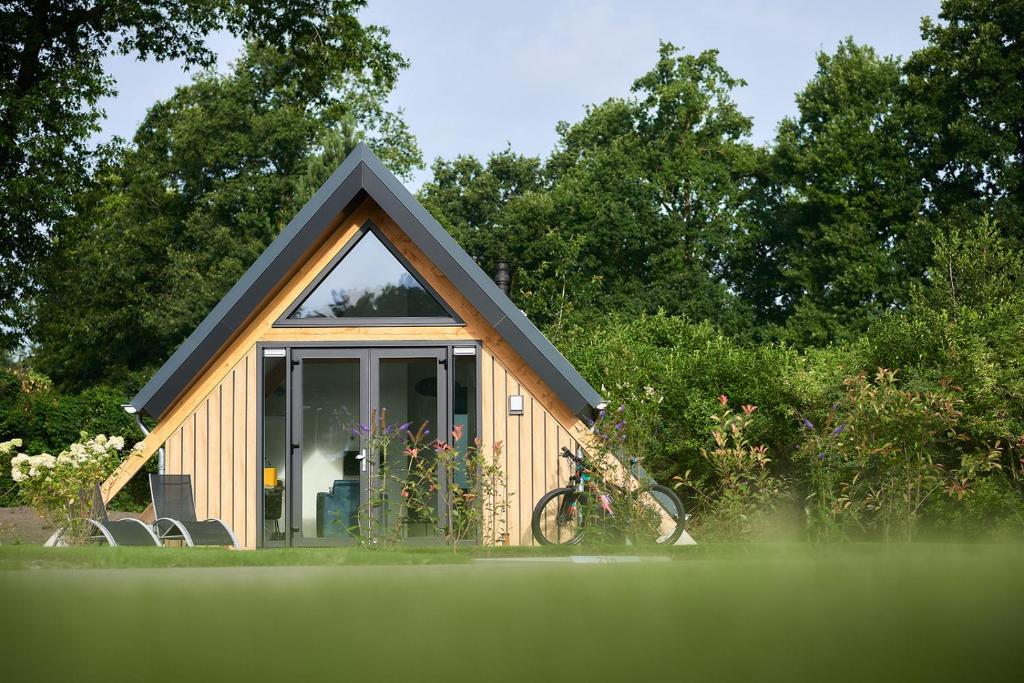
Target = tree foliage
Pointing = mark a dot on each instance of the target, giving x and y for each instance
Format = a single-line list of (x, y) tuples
[(51, 78), (636, 204), (171, 221), (668, 256), (840, 237), (964, 106)]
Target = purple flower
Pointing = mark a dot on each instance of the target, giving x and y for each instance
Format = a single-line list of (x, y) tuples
[(404, 426), (355, 431), (622, 408), (806, 423), (620, 425), (838, 430), (388, 429), (821, 456), (364, 428)]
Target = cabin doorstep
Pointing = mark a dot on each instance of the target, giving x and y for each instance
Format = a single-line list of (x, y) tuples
[(363, 304)]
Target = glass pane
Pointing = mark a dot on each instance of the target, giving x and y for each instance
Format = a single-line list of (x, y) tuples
[(464, 411), (369, 282), (408, 393), (330, 447), (275, 461)]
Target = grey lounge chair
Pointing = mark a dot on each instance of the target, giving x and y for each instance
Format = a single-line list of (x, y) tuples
[(175, 511), (127, 531)]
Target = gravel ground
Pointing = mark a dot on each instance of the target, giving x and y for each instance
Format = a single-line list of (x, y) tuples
[(24, 525)]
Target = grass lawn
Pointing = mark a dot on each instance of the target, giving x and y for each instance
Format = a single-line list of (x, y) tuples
[(752, 612)]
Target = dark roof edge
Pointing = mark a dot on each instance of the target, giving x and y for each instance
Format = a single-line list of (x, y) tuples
[(522, 335), (362, 172)]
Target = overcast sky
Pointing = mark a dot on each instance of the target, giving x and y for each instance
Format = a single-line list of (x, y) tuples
[(487, 74)]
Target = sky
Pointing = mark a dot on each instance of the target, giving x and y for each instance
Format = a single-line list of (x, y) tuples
[(485, 75)]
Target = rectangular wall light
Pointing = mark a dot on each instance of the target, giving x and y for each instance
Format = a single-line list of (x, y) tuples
[(515, 405)]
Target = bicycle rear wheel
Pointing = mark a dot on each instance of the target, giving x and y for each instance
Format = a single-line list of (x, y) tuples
[(672, 518), (558, 518)]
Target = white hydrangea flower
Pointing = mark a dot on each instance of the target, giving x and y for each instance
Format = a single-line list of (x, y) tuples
[(16, 462), (8, 446), (37, 463), (116, 442)]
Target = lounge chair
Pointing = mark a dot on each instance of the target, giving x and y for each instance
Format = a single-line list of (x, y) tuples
[(175, 511), (127, 531)]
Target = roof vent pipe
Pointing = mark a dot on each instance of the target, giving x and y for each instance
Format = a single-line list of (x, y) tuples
[(502, 278)]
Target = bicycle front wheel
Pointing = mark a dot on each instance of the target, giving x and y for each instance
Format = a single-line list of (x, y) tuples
[(558, 517)]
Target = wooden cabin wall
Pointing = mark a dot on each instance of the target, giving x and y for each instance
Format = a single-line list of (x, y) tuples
[(216, 445), (530, 446)]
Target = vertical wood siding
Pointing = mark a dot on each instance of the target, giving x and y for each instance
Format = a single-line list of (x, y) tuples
[(531, 443), (216, 446)]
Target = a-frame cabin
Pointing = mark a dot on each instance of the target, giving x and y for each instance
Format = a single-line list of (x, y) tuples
[(363, 302)]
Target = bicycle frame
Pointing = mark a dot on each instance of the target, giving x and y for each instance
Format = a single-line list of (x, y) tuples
[(581, 479)]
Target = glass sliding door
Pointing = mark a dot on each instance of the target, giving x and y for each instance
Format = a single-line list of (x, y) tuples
[(337, 482), (408, 389), (329, 472)]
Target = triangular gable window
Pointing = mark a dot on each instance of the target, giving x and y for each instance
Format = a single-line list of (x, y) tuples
[(368, 282)]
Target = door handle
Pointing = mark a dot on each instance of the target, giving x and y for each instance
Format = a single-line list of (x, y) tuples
[(362, 458)]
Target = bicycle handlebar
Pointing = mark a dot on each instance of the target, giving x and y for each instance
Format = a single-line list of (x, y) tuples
[(569, 455)]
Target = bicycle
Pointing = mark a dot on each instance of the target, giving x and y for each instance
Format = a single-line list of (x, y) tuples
[(563, 515)]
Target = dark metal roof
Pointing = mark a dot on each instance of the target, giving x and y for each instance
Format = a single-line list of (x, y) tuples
[(362, 174)]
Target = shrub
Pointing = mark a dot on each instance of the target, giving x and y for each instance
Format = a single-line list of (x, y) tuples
[(667, 371), (61, 488), (740, 496), (882, 455), (46, 419)]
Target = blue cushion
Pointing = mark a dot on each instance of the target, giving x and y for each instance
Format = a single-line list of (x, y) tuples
[(337, 512)]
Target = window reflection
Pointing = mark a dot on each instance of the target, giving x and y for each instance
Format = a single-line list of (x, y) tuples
[(275, 462), (369, 282)]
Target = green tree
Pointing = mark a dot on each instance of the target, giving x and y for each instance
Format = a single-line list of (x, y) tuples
[(653, 185), (171, 221), (633, 211), (965, 112), (471, 200), (840, 239), (51, 78)]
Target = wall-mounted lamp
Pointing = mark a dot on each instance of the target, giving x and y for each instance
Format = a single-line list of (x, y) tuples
[(515, 405), (132, 410)]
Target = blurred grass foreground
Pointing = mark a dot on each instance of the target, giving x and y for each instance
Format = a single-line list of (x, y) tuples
[(752, 612)]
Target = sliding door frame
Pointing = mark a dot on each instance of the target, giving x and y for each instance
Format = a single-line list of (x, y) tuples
[(291, 348)]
